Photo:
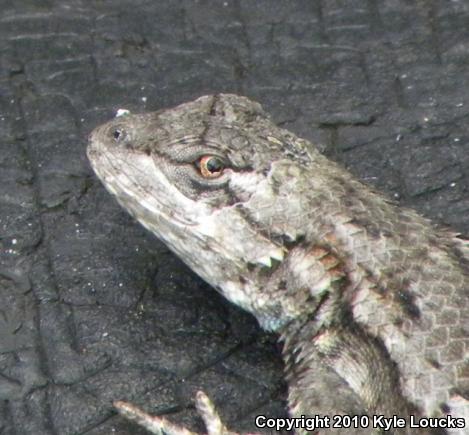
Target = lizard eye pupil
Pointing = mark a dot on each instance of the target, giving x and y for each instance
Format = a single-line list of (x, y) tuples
[(211, 166)]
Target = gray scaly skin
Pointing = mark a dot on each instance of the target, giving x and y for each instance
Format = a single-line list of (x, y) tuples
[(371, 301)]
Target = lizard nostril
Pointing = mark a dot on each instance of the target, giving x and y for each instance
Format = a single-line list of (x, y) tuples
[(117, 134)]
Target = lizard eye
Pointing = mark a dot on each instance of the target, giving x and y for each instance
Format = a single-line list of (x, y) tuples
[(210, 166)]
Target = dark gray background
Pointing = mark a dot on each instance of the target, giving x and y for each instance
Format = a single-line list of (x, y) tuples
[(92, 307)]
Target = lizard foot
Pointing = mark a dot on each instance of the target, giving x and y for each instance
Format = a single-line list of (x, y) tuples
[(162, 426)]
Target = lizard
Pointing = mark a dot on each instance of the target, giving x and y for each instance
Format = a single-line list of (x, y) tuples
[(370, 300)]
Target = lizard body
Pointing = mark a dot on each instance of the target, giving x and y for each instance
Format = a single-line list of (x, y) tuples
[(370, 300)]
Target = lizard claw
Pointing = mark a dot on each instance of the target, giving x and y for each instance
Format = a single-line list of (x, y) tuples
[(162, 426), (210, 416), (155, 425)]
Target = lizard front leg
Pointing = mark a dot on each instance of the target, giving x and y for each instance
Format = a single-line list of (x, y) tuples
[(341, 374), (324, 397)]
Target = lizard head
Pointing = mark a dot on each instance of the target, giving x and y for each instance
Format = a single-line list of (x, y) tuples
[(214, 179)]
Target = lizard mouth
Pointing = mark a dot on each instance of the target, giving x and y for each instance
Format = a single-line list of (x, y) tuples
[(133, 179)]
